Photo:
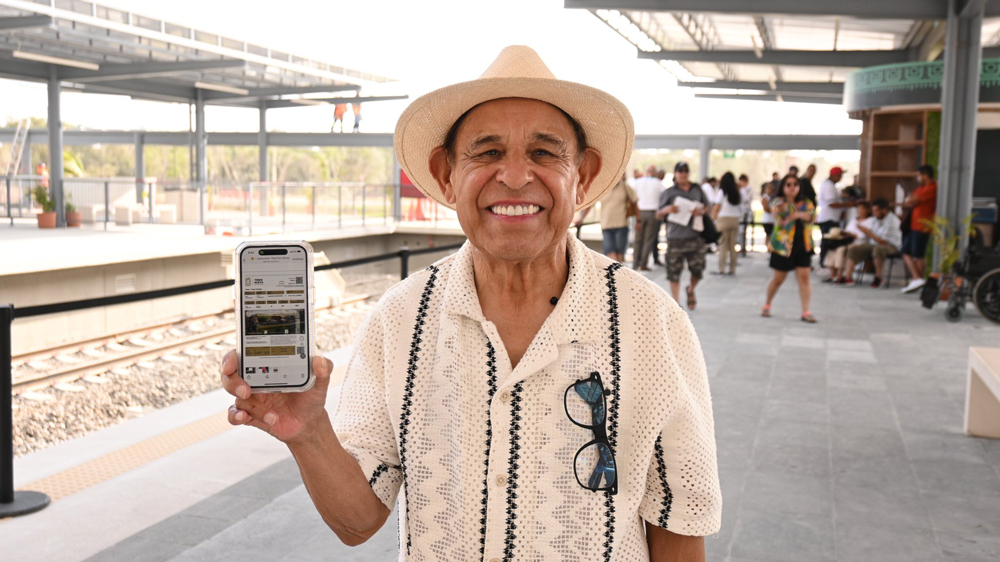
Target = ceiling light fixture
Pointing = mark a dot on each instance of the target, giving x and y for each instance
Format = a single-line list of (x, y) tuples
[(55, 60), (221, 88)]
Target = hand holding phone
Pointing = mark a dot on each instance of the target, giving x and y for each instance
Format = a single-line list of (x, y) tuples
[(286, 416)]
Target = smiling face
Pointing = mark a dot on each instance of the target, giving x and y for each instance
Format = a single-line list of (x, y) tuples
[(515, 177), (790, 188)]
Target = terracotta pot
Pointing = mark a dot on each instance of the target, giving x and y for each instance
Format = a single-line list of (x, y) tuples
[(46, 220), (74, 219)]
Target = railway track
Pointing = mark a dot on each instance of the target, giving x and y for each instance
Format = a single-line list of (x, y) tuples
[(128, 356)]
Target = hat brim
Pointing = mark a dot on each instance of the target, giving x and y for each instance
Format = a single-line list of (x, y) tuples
[(424, 124)]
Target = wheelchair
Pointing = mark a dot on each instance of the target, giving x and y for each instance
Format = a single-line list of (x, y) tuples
[(975, 277)]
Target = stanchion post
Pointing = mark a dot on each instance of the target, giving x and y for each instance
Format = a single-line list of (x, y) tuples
[(404, 265), (364, 199), (12, 503), (314, 189), (284, 193), (107, 203), (9, 215)]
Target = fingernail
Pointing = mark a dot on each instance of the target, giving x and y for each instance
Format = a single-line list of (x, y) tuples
[(243, 392), (239, 417), (270, 418), (222, 368)]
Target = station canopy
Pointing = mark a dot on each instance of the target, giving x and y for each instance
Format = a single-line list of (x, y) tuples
[(104, 50), (783, 50)]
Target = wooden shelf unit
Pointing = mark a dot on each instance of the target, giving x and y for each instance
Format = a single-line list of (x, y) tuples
[(894, 145)]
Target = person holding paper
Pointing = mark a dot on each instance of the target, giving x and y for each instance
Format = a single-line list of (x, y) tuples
[(683, 205)]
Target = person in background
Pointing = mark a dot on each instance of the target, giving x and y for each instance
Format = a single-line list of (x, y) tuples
[(356, 108), (790, 244), (636, 174), (838, 242), (831, 205), (684, 243), (338, 117), (746, 213), (614, 218), (884, 241), (727, 215), (648, 189), (808, 191), (710, 186), (661, 174), (923, 202), (766, 218)]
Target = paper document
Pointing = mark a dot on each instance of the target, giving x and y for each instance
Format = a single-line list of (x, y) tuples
[(685, 209)]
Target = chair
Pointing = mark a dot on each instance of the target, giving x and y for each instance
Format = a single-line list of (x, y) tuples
[(859, 270)]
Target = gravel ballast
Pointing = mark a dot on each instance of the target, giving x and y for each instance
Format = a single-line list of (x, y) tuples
[(56, 414)]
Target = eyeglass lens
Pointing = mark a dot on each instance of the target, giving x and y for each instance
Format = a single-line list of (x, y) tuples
[(586, 404), (597, 464)]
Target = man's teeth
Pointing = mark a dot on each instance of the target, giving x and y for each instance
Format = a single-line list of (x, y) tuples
[(515, 210)]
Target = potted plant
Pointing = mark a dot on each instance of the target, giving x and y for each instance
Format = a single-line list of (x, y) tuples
[(947, 240), (73, 216), (47, 218)]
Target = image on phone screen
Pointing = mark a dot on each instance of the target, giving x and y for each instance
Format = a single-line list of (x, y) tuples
[(274, 307)]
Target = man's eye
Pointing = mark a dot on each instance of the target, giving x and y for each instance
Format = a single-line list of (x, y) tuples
[(491, 152), (542, 152)]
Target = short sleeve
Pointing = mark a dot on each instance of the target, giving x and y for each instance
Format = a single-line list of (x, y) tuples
[(682, 483), (666, 198), (362, 420)]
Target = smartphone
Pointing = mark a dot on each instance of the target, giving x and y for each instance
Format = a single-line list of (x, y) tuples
[(274, 315)]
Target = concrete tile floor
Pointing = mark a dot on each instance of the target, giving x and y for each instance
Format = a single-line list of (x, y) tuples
[(839, 441)]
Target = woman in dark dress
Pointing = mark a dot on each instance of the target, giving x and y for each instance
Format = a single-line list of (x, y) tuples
[(790, 243)]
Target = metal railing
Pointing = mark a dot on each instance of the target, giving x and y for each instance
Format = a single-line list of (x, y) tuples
[(243, 208), (23, 502)]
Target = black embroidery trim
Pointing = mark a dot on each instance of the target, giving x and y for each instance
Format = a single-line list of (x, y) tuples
[(668, 496), (515, 446), (491, 377), (411, 373), (379, 471), (609, 514)]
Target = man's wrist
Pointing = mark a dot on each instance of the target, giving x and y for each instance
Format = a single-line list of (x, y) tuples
[(316, 434)]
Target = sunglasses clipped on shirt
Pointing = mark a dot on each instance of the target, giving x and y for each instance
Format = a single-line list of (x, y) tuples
[(586, 406)]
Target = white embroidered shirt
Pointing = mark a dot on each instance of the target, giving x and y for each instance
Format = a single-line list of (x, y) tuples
[(485, 452)]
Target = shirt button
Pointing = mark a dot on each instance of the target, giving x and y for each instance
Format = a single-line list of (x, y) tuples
[(501, 481), (505, 396)]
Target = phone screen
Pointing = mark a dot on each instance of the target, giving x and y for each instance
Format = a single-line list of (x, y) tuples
[(274, 302)]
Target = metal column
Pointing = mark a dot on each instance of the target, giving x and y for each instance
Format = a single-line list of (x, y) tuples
[(262, 142), (704, 157), (201, 145), (56, 148), (959, 107), (140, 166)]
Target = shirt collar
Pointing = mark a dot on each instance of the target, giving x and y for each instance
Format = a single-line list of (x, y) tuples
[(575, 318)]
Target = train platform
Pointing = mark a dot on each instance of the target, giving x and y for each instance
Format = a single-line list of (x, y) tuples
[(839, 441)]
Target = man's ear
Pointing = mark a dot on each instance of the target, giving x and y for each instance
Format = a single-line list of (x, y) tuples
[(590, 166), (441, 170)]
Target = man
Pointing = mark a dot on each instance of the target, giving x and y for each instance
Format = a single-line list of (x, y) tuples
[(338, 117), (684, 243), (710, 187), (885, 237), (805, 183), (923, 203), (614, 219), (648, 188), (830, 205), (498, 388), (746, 211), (356, 108)]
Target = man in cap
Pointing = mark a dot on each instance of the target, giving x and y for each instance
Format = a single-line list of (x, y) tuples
[(831, 205), (684, 241), (523, 392)]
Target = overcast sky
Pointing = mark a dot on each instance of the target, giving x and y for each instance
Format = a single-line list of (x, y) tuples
[(426, 45)]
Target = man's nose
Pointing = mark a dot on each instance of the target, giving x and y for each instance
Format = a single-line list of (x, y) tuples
[(515, 172)]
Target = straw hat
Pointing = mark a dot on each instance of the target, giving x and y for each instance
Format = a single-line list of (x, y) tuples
[(834, 234), (518, 72)]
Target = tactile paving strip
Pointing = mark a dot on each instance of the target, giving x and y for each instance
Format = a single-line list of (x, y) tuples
[(90, 473)]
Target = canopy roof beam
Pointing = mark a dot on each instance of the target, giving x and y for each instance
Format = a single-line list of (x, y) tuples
[(867, 9), (846, 59), (773, 97), (25, 22), (304, 102), (795, 88), (146, 70), (258, 93)]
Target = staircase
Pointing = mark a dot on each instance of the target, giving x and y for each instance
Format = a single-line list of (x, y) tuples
[(17, 148)]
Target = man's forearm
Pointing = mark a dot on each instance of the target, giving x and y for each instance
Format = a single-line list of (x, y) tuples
[(338, 487), (665, 546)]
